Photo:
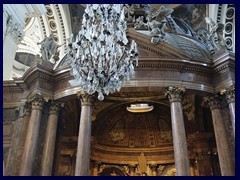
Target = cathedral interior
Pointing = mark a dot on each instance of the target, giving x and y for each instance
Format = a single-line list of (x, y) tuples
[(174, 117)]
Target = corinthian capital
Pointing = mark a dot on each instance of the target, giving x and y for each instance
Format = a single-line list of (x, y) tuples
[(174, 93), (215, 102), (85, 98), (37, 102), (230, 94), (55, 107)]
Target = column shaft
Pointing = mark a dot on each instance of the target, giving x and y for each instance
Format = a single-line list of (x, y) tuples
[(30, 147), (224, 152), (178, 131), (84, 137), (232, 116), (179, 140), (49, 143)]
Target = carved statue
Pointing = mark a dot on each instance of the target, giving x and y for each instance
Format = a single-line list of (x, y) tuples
[(48, 47), (157, 24), (216, 31)]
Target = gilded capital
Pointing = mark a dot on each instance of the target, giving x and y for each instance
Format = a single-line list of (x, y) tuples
[(174, 94), (37, 102), (85, 98)]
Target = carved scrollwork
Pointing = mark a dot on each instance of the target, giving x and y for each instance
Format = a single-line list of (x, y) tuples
[(174, 93)]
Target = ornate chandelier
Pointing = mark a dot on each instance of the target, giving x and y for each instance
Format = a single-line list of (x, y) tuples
[(102, 58)]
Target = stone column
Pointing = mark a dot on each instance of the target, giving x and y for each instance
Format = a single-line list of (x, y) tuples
[(50, 139), (223, 145), (178, 130), (132, 169), (230, 96), (32, 136), (14, 155), (84, 136), (154, 169), (26, 117)]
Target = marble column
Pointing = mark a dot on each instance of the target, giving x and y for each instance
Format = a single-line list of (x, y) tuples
[(230, 96), (50, 139), (132, 169), (154, 169), (178, 131), (30, 147), (226, 160), (84, 136), (14, 155)]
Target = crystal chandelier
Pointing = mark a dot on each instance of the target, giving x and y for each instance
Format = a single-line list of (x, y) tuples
[(102, 58)]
